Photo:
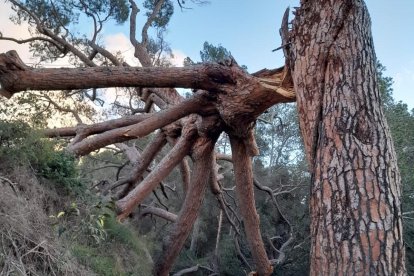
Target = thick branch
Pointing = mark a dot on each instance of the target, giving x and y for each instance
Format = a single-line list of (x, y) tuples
[(184, 168), (236, 108), (244, 190), (98, 127), (173, 158), (141, 129), (15, 78), (150, 20), (141, 52), (182, 227), (147, 156)]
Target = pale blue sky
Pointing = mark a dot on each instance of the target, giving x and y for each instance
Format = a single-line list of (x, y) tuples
[(249, 29)]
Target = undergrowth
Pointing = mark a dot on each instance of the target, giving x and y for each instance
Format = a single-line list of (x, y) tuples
[(50, 223)]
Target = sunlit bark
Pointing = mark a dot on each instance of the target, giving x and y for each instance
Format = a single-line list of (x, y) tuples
[(356, 226)]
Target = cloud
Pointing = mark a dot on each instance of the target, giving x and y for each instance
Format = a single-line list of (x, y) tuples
[(9, 29), (178, 59), (120, 42)]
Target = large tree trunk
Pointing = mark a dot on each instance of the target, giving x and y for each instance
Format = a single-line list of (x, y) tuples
[(355, 202)]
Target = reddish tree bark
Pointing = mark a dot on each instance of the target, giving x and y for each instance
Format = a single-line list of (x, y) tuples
[(356, 226), (243, 175), (149, 153), (167, 164), (202, 156)]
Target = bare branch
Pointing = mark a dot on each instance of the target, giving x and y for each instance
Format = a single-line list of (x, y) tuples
[(63, 109), (280, 259), (244, 189), (141, 129), (150, 210), (240, 254), (141, 164), (61, 40), (187, 270), (219, 226), (35, 38), (173, 158), (224, 206), (194, 269), (202, 155), (98, 127)]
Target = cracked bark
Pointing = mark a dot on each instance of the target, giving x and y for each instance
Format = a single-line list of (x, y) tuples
[(356, 226)]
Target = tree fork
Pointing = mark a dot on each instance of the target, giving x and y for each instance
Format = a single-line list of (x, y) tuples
[(149, 153), (173, 158)]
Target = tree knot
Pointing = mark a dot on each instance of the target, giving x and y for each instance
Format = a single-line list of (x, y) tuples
[(11, 61)]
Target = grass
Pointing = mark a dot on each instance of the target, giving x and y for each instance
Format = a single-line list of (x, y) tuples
[(121, 254)]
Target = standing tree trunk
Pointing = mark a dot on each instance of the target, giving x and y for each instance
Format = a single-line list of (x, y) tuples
[(355, 202)]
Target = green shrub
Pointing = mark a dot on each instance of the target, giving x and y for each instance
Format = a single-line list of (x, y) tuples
[(121, 253), (123, 234), (21, 145), (62, 168)]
